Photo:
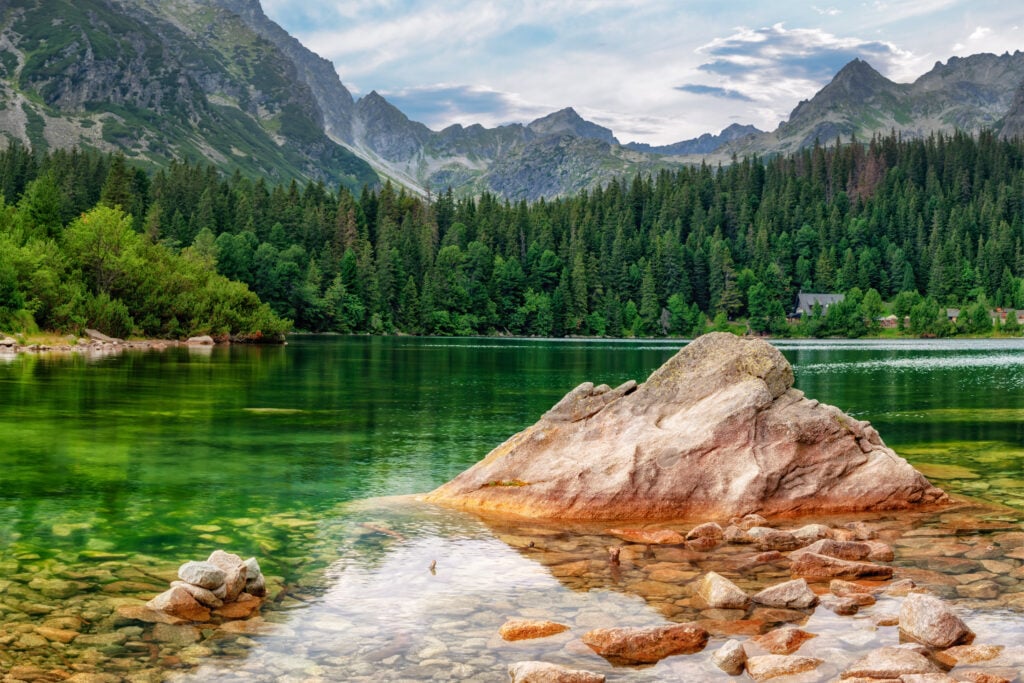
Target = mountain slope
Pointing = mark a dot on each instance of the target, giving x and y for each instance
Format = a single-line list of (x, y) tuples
[(317, 73), (1012, 125), (162, 80)]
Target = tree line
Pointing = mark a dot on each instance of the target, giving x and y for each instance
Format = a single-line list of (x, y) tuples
[(923, 224)]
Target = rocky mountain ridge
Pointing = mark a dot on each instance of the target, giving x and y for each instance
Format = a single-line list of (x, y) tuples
[(221, 82), (705, 144), (562, 152), (966, 93), (163, 81)]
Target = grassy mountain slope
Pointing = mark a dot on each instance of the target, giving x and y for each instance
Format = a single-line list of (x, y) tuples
[(162, 79)]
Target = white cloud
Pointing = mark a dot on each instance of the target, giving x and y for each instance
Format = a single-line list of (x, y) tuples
[(776, 66), (648, 69), (987, 39)]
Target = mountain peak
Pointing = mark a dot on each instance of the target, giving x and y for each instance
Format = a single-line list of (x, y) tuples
[(855, 84), (568, 122), (859, 73), (568, 113)]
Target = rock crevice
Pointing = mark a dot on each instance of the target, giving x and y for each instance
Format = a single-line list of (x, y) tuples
[(717, 431)]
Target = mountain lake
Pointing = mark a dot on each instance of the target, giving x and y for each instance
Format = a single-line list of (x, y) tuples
[(115, 470)]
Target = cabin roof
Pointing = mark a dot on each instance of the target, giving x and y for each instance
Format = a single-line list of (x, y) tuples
[(806, 301)]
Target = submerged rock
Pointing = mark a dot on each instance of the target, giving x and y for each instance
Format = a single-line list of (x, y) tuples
[(843, 550), (821, 567), (648, 536), (783, 641), (766, 667), (645, 645), (968, 654), (527, 629), (717, 431), (542, 672), (891, 662), (708, 530)]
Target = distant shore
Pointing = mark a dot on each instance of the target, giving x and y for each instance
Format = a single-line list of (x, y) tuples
[(96, 344)]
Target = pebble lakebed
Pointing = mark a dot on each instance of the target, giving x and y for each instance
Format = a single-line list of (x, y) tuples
[(403, 591)]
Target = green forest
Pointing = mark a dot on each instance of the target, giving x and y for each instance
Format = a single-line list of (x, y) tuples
[(909, 227)]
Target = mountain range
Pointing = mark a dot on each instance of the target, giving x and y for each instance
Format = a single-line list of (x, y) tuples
[(218, 81)]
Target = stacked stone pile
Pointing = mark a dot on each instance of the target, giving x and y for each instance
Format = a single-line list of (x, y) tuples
[(224, 585)]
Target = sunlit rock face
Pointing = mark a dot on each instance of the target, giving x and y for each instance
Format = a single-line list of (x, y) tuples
[(717, 431)]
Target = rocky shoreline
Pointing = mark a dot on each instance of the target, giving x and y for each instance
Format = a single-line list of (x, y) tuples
[(96, 343), (405, 591), (840, 569)]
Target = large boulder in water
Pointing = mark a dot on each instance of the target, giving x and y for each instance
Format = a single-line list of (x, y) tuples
[(715, 432)]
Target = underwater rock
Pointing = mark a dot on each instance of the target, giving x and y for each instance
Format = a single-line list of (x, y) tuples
[(648, 536), (968, 654), (527, 629), (708, 530), (783, 641), (646, 645), (767, 667), (821, 567), (716, 432), (891, 662), (843, 550), (542, 672)]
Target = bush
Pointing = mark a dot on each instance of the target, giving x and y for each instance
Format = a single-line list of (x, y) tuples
[(109, 316)]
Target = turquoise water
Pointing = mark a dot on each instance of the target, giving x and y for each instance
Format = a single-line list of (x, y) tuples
[(130, 465)]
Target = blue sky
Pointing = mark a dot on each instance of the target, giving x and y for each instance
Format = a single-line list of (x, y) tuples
[(655, 71)]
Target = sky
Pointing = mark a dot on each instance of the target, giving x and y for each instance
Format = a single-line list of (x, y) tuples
[(654, 71)]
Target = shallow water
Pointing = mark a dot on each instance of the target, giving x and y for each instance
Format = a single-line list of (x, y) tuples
[(116, 471)]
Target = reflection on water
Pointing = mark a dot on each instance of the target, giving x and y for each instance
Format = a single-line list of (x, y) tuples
[(380, 614), (116, 470)]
